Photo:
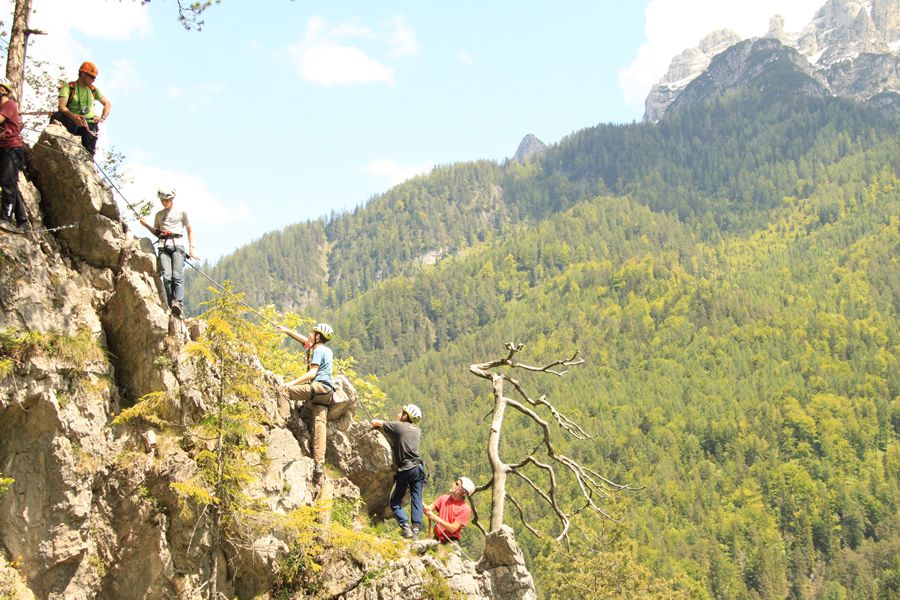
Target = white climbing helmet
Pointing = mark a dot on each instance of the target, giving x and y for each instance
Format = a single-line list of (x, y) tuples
[(165, 193), (466, 484), (325, 330), (413, 412), (4, 82)]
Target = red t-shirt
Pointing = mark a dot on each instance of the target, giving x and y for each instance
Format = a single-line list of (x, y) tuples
[(10, 130), (452, 511)]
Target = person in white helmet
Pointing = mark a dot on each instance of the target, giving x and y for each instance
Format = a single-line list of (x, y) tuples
[(451, 512), (170, 226), (405, 435), (316, 386)]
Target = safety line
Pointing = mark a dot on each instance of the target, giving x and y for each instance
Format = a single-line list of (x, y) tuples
[(235, 296)]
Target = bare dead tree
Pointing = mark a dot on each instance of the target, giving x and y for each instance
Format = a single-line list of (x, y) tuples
[(593, 486)]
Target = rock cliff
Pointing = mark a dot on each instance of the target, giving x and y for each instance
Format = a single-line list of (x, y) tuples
[(92, 512), (528, 147), (853, 47)]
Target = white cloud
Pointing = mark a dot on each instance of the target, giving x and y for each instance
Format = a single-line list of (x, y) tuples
[(674, 25), (198, 96), (346, 53), (395, 172), (333, 65), (122, 78), (95, 18), (403, 38), (203, 206), (465, 57)]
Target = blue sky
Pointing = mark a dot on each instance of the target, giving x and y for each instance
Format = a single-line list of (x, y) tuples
[(272, 116)]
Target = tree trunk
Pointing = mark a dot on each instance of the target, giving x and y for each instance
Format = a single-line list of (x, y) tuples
[(215, 533), (18, 41), (498, 490)]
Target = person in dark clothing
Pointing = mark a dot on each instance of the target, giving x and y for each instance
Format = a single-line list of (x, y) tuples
[(405, 436), (12, 155)]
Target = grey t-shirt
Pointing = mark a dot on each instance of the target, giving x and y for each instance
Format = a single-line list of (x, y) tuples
[(404, 442), (171, 219)]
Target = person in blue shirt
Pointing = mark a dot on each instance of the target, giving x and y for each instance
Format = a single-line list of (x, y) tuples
[(316, 387)]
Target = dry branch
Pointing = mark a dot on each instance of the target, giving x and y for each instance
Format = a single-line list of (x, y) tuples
[(593, 487)]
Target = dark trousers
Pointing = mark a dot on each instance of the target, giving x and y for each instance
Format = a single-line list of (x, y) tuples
[(414, 480), (88, 134), (13, 206)]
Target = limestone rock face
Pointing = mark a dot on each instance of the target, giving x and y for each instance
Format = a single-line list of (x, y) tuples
[(765, 65), (852, 45), (683, 69), (364, 456), (504, 563), (73, 194), (529, 146)]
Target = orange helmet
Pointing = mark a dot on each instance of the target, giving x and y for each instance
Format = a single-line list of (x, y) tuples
[(88, 67)]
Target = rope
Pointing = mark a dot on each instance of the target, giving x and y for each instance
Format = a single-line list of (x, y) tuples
[(138, 215), (58, 228), (446, 537), (226, 291), (363, 404)]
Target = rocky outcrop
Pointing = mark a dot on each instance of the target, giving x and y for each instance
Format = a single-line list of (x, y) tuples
[(529, 147), (853, 47), (92, 512), (504, 564), (683, 69), (764, 65)]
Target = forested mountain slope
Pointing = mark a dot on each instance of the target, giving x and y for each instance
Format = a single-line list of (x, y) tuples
[(725, 161), (749, 385), (730, 276)]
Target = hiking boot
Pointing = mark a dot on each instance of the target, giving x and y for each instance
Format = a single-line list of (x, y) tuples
[(177, 309), (406, 532), (318, 474), (415, 531)]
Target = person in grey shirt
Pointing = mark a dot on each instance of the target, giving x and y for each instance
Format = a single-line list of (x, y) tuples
[(405, 435), (170, 226)]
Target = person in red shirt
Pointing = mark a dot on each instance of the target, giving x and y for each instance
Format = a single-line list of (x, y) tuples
[(12, 155), (451, 512)]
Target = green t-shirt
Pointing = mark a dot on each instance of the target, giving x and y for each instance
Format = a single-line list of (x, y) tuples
[(82, 102)]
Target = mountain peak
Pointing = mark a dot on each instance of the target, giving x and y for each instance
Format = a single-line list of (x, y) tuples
[(854, 46), (528, 147)]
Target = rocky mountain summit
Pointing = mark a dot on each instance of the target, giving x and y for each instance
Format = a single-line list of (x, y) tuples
[(92, 512), (528, 147), (852, 45)]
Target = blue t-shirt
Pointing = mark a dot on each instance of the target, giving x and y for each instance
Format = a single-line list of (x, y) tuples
[(322, 355)]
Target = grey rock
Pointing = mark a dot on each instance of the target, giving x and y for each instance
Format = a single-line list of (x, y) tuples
[(529, 147), (504, 564), (684, 68), (852, 45)]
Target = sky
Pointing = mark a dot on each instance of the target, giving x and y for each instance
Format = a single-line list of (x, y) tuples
[(281, 111)]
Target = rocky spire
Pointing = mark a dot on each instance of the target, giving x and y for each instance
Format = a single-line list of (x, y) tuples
[(854, 46)]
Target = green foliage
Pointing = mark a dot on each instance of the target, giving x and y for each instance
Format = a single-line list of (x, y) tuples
[(78, 349), (155, 408), (730, 277), (5, 483), (227, 451), (300, 569), (605, 568)]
